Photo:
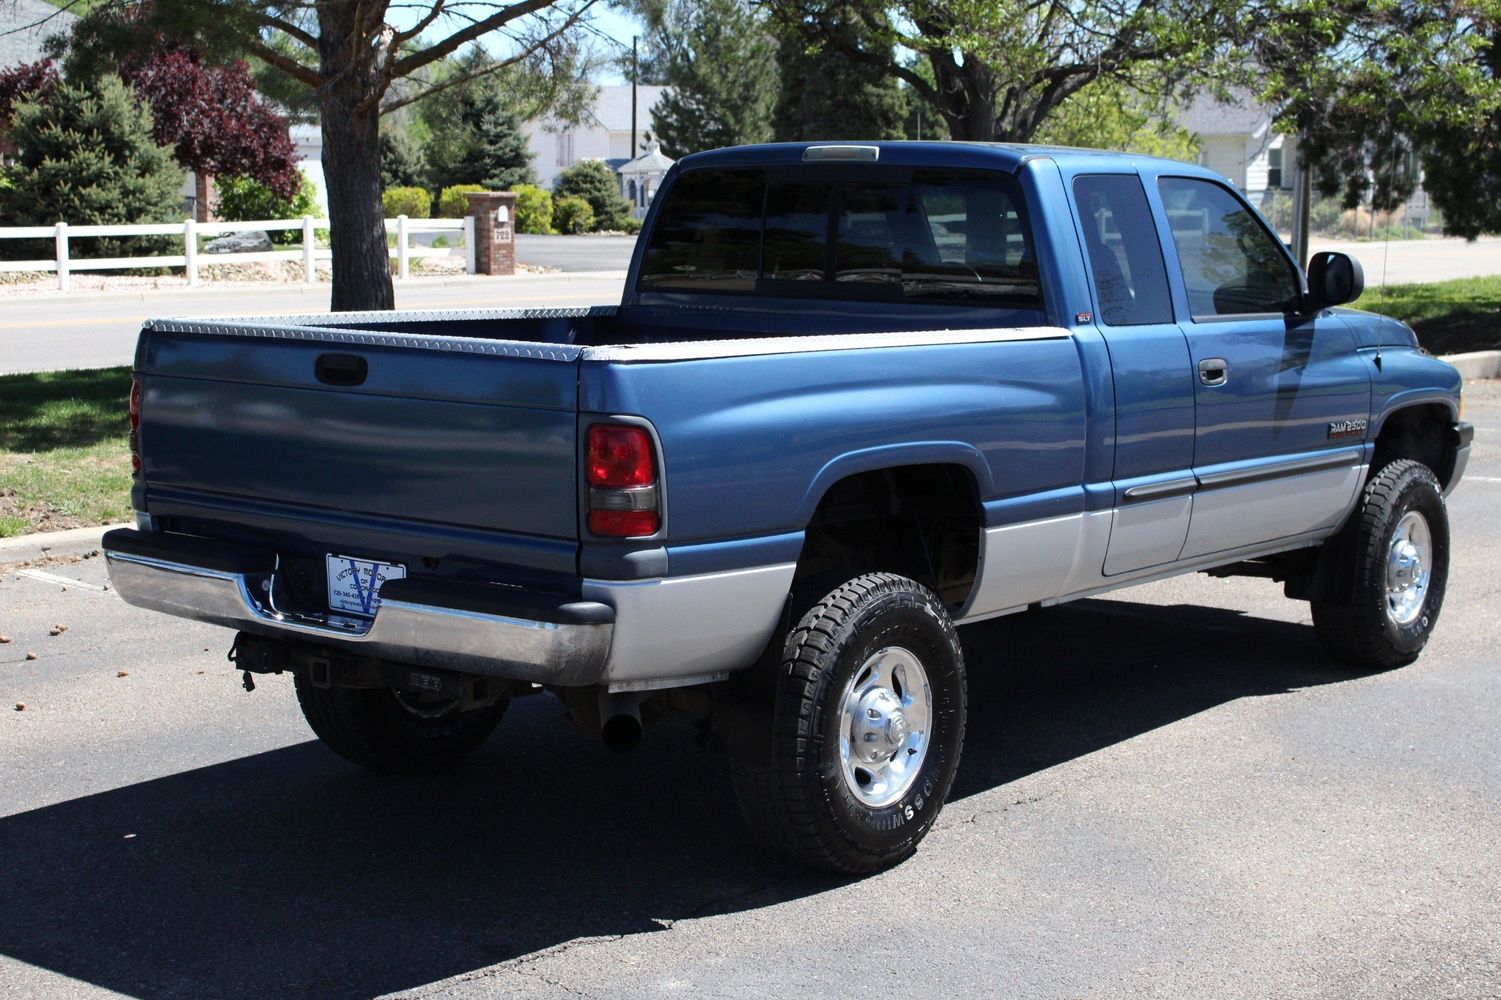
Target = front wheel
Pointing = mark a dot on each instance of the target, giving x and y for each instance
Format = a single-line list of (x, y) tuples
[(1399, 554), (388, 730), (854, 763)]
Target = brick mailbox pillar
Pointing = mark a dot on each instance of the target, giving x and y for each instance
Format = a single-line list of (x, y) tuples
[(494, 231)]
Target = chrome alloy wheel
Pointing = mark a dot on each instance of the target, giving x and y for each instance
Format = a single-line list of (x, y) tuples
[(1408, 564), (885, 726)]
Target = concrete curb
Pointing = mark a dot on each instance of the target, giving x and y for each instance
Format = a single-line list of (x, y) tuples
[(52, 544), (1476, 364)]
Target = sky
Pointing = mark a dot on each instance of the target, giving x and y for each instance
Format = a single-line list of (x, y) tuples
[(617, 26)]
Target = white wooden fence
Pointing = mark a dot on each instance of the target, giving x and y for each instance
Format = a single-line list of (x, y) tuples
[(192, 258)]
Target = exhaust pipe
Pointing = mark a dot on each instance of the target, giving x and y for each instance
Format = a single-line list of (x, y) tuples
[(620, 721)]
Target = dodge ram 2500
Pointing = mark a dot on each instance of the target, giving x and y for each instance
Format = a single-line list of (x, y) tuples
[(853, 396)]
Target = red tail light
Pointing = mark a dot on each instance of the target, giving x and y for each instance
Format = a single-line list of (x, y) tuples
[(622, 473), (620, 456), (135, 427)]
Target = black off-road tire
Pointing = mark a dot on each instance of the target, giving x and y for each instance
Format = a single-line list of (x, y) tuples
[(1361, 630), (373, 728), (785, 758)]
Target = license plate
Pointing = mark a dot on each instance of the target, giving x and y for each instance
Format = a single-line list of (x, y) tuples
[(354, 584)]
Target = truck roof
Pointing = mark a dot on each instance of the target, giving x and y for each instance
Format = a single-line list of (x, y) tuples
[(991, 155)]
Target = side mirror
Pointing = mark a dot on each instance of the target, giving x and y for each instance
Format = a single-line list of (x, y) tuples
[(1334, 279)]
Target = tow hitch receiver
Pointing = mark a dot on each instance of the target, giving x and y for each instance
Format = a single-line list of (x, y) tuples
[(326, 667)]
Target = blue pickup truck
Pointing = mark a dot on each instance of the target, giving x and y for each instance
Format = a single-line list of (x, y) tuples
[(853, 396)]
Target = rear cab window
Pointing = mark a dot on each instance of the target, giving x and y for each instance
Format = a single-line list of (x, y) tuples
[(868, 234)]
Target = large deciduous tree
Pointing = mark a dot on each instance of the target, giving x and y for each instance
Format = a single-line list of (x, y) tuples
[(999, 68), (214, 121), (1382, 94), (350, 55)]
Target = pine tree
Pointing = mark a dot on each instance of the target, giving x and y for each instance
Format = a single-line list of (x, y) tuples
[(720, 61), (478, 140), (400, 161), (825, 94), (87, 158)]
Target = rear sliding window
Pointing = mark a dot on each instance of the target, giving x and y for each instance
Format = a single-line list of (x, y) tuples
[(893, 235)]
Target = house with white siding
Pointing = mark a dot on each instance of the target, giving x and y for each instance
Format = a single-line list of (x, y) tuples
[(1236, 140), (604, 134)]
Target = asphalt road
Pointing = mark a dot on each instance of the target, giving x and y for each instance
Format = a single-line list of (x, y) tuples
[(576, 253), (1168, 792)]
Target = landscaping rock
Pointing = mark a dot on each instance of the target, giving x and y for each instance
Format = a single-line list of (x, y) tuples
[(253, 242)]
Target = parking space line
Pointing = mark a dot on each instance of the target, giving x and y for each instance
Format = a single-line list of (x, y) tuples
[(66, 581)]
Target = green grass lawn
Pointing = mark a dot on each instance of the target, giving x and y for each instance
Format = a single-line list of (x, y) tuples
[(1450, 317), (64, 450)]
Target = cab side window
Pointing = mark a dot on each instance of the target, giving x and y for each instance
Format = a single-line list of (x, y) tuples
[(1130, 280), (1231, 264)]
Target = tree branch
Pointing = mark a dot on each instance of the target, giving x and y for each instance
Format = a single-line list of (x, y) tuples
[(405, 66), (291, 67), (287, 28), (421, 25), (471, 76)]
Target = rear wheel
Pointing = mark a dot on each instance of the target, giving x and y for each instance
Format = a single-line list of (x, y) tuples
[(849, 768), (388, 730), (1399, 554)]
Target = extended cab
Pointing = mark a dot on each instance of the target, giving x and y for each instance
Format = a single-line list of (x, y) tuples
[(853, 396)]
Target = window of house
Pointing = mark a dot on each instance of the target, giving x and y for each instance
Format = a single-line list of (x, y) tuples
[(1274, 168), (1125, 257), (1231, 264)]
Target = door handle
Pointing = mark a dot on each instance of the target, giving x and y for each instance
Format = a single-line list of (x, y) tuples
[(1214, 371)]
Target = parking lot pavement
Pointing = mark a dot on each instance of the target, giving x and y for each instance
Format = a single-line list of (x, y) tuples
[(1165, 792)]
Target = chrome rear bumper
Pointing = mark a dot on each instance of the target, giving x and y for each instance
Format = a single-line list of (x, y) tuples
[(573, 649)]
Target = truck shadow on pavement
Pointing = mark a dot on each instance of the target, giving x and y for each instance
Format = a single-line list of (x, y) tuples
[(291, 873)]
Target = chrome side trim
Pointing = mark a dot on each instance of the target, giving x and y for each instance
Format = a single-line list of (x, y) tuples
[(1157, 491), (1239, 477), (690, 626), (449, 638), (751, 347)]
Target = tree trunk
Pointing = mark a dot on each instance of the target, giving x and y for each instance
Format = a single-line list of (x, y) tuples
[(351, 166)]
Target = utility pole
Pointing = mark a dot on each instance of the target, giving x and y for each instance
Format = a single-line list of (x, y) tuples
[(635, 73)]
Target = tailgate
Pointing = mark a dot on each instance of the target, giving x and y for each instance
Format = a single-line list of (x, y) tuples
[(476, 435)]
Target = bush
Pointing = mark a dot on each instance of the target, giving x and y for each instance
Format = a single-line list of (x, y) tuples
[(451, 202), (598, 185), (632, 225), (243, 199), (413, 202), (572, 214), (533, 210)]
